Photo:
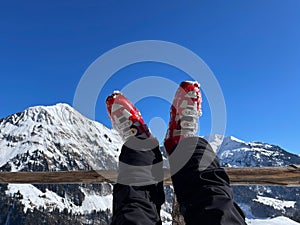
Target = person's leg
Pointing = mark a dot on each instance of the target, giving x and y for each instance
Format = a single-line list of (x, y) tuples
[(201, 186), (138, 193)]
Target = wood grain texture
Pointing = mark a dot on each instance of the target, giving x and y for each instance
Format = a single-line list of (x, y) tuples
[(282, 176)]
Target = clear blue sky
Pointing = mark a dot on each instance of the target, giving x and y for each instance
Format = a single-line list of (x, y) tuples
[(253, 48)]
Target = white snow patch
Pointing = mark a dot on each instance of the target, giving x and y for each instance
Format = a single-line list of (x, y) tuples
[(167, 223), (165, 216), (274, 221), (34, 198), (275, 203), (92, 201), (215, 141)]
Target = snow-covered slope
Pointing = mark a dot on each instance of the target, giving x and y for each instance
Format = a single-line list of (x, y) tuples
[(45, 138), (56, 138), (234, 152), (57, 133), (281, 220), (32, 197), (258, 201)]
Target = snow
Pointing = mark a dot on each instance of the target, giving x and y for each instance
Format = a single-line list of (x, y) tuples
[(274, 221), (42, 127), (215, 141), (234, 152), (60, 132), (167, 217), (167, 223), (34, 198), (275, 203), (92, 201)]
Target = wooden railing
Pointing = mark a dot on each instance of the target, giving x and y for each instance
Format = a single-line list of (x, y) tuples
[(283, 176), (270, 176)]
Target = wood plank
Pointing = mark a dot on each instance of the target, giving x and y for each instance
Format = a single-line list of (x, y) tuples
[(283, 176)]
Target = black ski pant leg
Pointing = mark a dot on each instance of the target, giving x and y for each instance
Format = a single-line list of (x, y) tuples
[(138, 194), (202, 187)]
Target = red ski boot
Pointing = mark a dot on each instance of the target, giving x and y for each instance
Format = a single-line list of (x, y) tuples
[(184, 114), (125, 117)]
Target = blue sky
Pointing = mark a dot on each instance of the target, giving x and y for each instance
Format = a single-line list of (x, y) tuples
[(252, 47)]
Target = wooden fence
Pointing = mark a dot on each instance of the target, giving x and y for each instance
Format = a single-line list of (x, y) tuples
[(283, 176)]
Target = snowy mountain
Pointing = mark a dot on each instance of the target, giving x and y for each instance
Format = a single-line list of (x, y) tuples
[(50, 139), (57, 134), (58, 137), (259, 201), (237, 153)]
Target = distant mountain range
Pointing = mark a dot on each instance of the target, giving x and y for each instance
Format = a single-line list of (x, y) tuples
[(58, 138)]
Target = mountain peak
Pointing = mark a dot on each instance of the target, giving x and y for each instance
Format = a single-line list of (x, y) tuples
[(60, 111), (52, 130), (217, 140)]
